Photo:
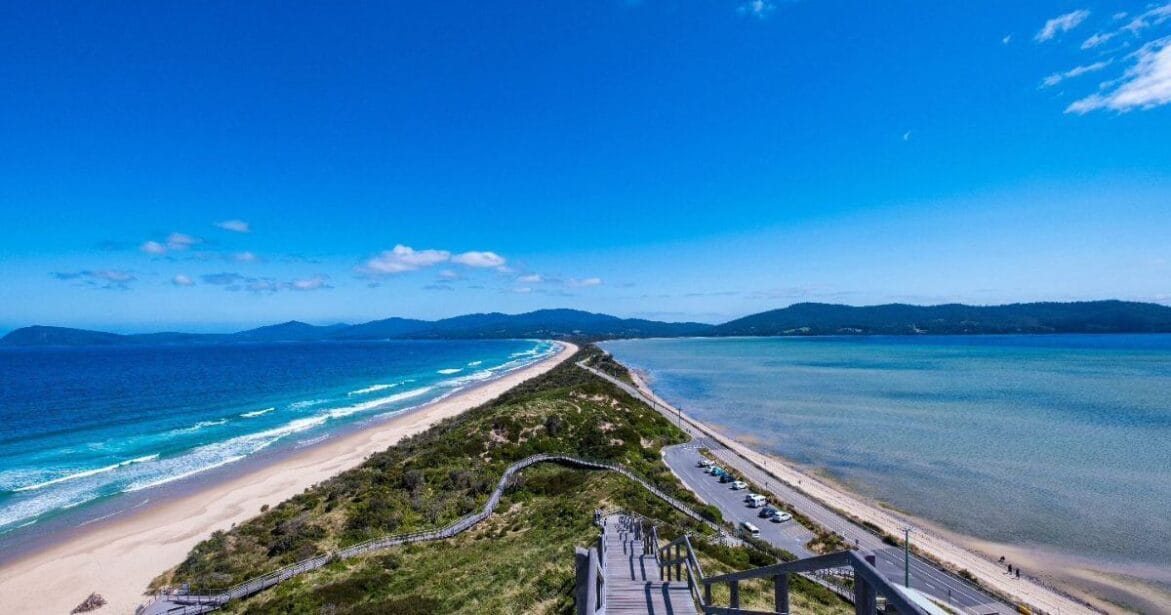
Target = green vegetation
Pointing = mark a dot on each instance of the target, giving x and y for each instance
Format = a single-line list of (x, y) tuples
[(520, 560), (607, 365)]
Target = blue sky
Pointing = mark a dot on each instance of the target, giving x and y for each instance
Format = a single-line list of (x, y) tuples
[(221, 166)]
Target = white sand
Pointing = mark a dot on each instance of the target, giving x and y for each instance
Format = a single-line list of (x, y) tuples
[(119, 558)]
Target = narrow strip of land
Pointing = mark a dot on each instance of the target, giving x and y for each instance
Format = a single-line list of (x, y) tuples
[(822, 504), (118, 559)]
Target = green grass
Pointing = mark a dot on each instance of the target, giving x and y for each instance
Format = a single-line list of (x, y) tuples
[(520, 560)]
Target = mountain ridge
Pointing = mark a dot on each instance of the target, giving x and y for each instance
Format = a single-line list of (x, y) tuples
[(1107, 316)]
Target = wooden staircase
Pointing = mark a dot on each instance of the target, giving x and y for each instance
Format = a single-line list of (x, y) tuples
[(633, 577)]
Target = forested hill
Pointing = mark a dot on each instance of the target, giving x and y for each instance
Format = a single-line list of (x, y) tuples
[(902, 319), (797, 319)]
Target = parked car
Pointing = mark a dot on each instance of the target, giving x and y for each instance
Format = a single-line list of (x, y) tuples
[(748, 528), (757, 501), (726, 478), (780, 517), (704, 463), (739, 485), (767, 512), (748, 497)]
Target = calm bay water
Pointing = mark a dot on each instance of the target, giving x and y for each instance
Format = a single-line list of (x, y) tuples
[(1057, 441), (81, 427)]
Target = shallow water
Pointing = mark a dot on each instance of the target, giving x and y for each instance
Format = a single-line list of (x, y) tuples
[(1059, 441), (80, 427)]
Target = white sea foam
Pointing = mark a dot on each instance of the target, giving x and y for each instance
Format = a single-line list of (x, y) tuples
[(196, 427), (256, 413), (484, 374), (373, 389), (337, 413), (474, 363), (85, 473), (217, 454), (449, 371), (297, 405), (139, 486)]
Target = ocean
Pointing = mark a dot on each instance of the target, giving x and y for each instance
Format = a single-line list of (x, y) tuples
[(1059, 442), (86, 433)]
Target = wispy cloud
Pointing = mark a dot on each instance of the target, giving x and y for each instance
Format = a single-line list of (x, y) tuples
[(316, 282), (154, 248), (1006, 40), (1061, 24), (1146, 84), (111, 279), (245, 257), (182, 280), (1076, 71), (532, 278), (757, 8), (176, 242), (235, 282), (584, 283), (181, 241), (1098, 39), (236, 226)]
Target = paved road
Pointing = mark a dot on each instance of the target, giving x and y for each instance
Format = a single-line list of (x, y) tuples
[(925, 577), (684, 460)]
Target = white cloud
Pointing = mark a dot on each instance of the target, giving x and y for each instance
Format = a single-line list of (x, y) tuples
[(316, 282), (153, 247), (1152, 17), (405, 258), (1076, 71), (236, 226), (907, 136), (524, 290), (1098, 39), (245, 257), (756, 8), (182, 280), (448, 275), (1006, 40), (532, 278), (479, 259), (584, 283), (1060, 24), (1144, 85), (181, 241)]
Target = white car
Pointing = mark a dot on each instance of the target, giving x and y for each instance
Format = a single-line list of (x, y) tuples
[(705, 463), (739, 484), (748, 497), (780, 517)]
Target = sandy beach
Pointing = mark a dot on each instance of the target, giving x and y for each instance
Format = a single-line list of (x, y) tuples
[(118, 558), (990, 573)]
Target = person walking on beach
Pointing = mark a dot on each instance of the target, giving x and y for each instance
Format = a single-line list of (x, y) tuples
[(1018, 572), (1010, 569)]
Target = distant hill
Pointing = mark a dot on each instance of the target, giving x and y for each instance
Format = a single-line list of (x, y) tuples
[(902, 319), (797, 319), (554, 324)]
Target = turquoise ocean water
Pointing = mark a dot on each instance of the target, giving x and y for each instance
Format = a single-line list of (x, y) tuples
[(1062, 442), (87, 433)]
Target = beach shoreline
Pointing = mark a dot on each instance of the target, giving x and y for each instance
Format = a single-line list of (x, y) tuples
[(119, 558), (942, 546)]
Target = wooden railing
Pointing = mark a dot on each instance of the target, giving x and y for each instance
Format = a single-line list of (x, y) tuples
[(188, 603), (869, 584)]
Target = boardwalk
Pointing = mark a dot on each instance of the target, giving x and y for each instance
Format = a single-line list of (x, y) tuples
[(632, 578)]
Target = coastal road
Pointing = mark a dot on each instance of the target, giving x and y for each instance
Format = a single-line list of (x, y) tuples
[(925, 577)]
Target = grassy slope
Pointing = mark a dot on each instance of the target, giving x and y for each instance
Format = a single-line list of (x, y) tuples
[(518, 561)]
